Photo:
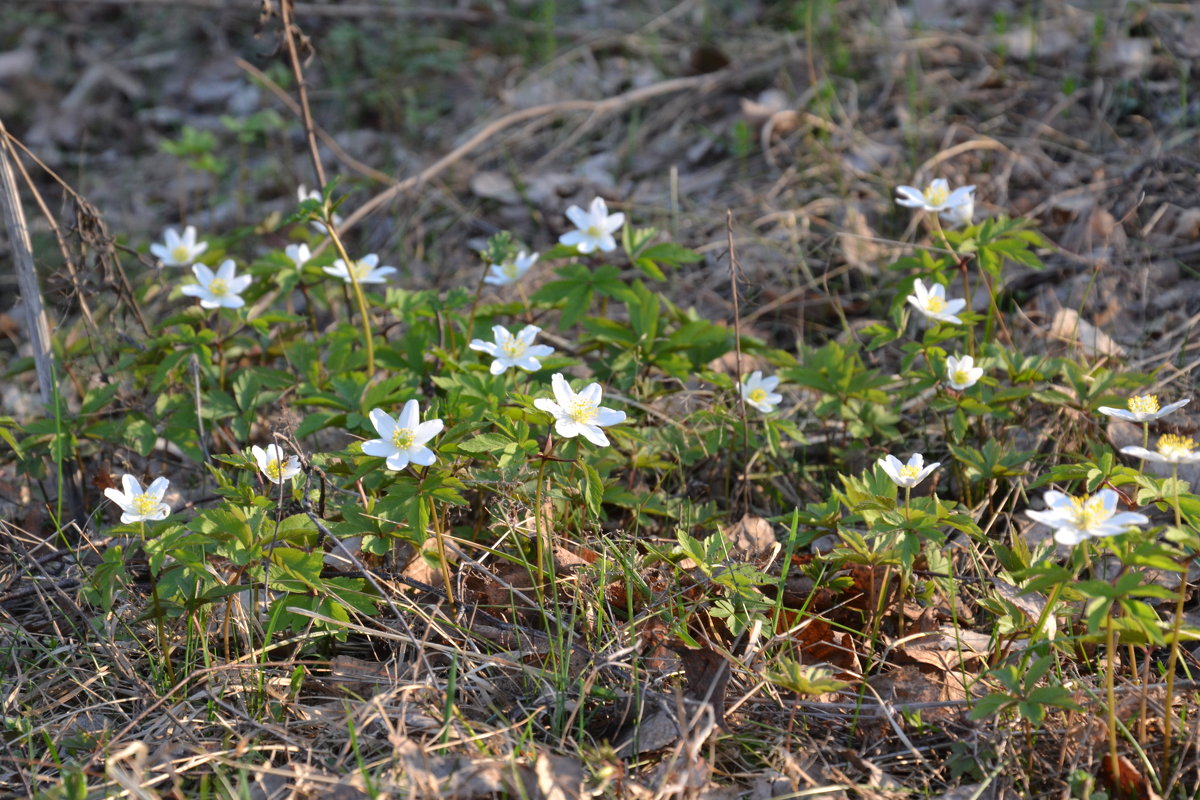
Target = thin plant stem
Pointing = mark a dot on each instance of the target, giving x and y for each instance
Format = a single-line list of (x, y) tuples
[(358, 292), (1172, 660), (937, 227), (441, 545), (158, 620), (1113, 766), (545, 553)]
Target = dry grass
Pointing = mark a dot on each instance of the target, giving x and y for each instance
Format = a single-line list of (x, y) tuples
[(680, 114)]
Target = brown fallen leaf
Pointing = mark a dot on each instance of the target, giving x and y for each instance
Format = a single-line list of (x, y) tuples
[(707, 678), (750, 539)]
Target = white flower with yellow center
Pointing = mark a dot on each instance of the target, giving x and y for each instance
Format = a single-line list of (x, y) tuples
[(302, 193), (579, 414), (1171, 449), (936, 196), (906, 476), (509, 350), (594, 227), (402, 440), (1077, 518), (760, 392), (298, 253), (176, 250), (1144, 408), (274, 465), (961, 214), (138, 505), (961, 373), (933, 304), (220, 289), (511, 270), (364, 270)]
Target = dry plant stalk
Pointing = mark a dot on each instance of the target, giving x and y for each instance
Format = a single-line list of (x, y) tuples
[(22, 249)]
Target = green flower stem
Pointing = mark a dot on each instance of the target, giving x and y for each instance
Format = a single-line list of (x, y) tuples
[(937, 227), (1113, 767), (1172, 660), (545, 552), (441, 545), (358, 294), (158, 617), (475, 303), (1145, 445)]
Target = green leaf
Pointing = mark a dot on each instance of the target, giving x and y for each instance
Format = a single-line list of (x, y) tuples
[(484, 443), (593, 489)]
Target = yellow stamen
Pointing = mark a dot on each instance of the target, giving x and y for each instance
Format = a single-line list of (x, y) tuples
[(513, 347), (218, 287), (144, 504), (962, 376), (910, 471), (937, 194), (581, 411), (1089, 511), (403, 438), (181, 253), (935, 303), (274, 469), (757, 395), (509, 268), (1173, 446), (1144, 404), (594, 232)]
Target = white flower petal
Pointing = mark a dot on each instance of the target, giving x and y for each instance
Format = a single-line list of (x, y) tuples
[(385, 426)]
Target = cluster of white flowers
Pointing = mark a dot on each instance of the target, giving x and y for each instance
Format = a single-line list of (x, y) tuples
[(1076, 519)]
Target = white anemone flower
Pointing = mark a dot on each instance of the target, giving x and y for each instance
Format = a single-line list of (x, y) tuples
[(274, 465), (961, 373), (364, 270), (1077, 518), (906, 476), (222, 289), (579, 414), (1171, 449), (176, 250), (138, 505), (962, 214), (933, 304), (760, 392), (511, 270), (513, 350), (298, 253), (302, 193), (936, 196), (402, 440), (595, 227), (1144, 408)]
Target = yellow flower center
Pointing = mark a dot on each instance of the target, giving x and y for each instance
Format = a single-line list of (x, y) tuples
[(910, 471), (513, 347), (218, 288), (274, 469), (1144, 404), (509, 268), (757, 395), (1089, 511), (581, 411), (361, 269), (937, 194), (1172, 446), (962, 376), (595, 232), (935, 304), (181, 253), (403, 438), (144, 504)]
